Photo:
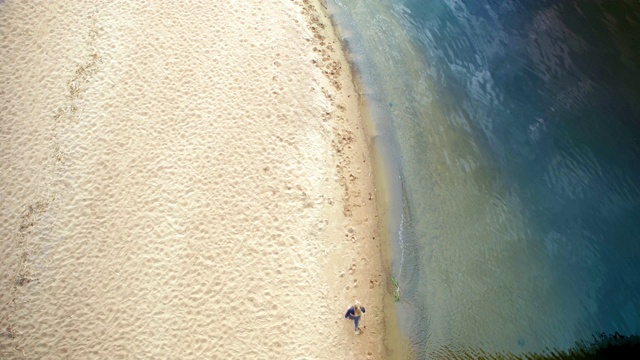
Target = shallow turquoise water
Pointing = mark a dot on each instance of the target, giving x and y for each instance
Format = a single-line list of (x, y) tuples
[(512, 133)]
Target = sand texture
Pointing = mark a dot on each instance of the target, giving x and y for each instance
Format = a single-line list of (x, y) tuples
[(183, 180)]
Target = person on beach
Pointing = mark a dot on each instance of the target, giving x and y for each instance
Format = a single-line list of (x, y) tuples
[(354, 313)]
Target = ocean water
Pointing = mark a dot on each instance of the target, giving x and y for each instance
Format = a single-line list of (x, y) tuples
[(511, 130)]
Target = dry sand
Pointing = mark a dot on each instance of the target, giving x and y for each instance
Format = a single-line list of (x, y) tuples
[(182, 179)]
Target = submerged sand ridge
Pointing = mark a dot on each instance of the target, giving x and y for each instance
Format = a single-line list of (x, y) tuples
[(182, 180)]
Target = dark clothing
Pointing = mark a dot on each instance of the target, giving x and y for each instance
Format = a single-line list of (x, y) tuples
[(352, 311)]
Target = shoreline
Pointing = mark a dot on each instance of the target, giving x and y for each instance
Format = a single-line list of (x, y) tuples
[(357, 111), (178, 183), (382, 152)]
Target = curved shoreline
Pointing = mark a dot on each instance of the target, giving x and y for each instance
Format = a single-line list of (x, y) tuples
[(387, 179), (365, 222)]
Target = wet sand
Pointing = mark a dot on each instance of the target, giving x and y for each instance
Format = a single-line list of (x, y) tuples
[(183, 180)]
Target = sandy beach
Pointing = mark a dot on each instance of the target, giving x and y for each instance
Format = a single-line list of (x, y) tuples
[(184, 180)]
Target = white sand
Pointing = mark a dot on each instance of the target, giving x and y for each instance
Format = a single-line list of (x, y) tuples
[(182, 179)]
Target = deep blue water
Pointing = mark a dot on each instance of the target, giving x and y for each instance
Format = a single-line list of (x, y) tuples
[(512, 134)]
